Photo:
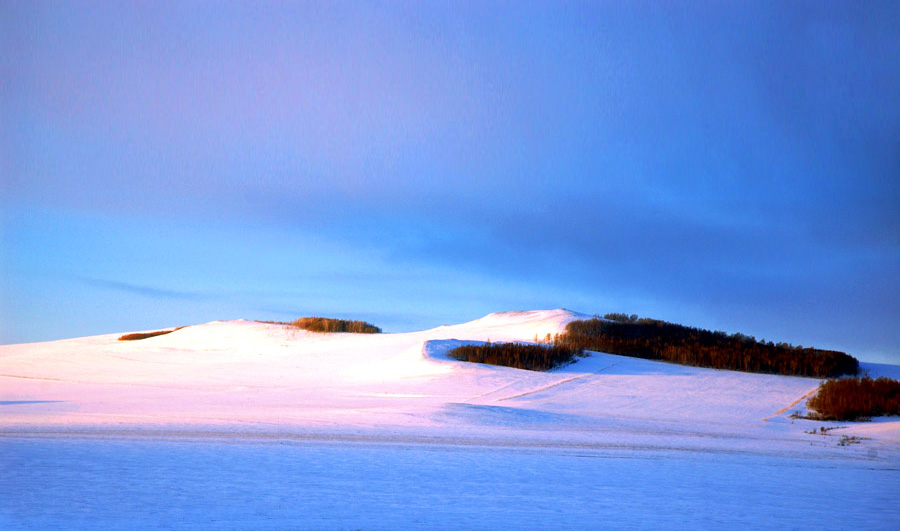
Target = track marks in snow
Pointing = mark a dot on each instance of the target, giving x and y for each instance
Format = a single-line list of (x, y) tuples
[(545, 388), (32, 378), (222, 387), (557, 384), (492, 391), (794, 403)]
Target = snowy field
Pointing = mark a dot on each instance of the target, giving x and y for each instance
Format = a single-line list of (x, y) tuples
[(242, 425), (149, 484)]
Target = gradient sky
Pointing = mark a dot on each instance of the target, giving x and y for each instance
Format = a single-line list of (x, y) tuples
[(727, 165)]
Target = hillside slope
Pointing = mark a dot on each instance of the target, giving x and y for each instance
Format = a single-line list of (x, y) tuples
[(255, 379)]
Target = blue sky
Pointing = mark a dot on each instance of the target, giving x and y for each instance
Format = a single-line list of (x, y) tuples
[(732, 166)]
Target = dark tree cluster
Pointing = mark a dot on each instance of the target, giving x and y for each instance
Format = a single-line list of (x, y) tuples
[(855, 398), (144, 335), (660, 340), (621, 317), (518, 355), (325, 324)]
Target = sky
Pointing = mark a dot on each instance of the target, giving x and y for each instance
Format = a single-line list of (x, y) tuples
[(728, 165)]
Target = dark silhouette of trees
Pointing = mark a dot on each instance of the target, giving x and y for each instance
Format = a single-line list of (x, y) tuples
[(855, 398), (659, 340), (621, 317), (325, 324), (518, 355)]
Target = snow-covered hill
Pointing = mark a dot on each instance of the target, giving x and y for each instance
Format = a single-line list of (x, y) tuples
[(256, 379), (243, 425)]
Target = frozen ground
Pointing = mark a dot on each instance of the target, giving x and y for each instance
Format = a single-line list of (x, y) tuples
[(242, 425)]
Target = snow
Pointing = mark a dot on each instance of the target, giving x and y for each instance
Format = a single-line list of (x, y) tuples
[(149, 484), (292, 422)]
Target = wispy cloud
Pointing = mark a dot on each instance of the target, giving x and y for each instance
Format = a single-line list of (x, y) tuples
[(144, 290)]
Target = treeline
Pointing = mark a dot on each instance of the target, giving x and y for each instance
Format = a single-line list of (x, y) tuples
[(518, 355), (628, 335), (855, 398), (325, 324)]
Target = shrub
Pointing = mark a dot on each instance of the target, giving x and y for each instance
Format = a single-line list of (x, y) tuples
[(144, 335), (855, 398), (518, 355), (324, 324), (659, 340)]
